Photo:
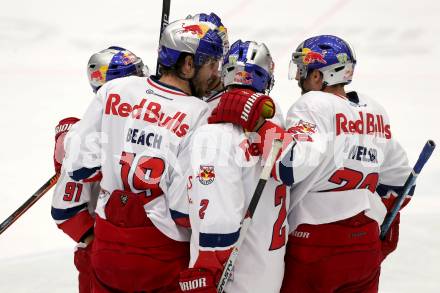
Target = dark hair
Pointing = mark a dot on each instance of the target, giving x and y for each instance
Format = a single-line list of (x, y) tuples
[(176, 68)]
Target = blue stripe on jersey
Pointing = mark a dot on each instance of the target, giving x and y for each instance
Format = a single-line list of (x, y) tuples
[(65, 214), (383, 189), (218, 240), (285, 168), (83, 173), (178, 215)]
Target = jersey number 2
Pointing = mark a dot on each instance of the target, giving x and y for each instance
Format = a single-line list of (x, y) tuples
[(279, 230)]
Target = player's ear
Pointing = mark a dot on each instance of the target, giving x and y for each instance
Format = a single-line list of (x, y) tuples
[(316, 75), (317, 79), (188, 67)]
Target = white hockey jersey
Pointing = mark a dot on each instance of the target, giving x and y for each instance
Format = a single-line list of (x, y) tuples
[(179, 201), (73, 204), (134, 132), (345, 154), (223, 178)]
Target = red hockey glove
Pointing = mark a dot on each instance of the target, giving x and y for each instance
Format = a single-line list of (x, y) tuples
[(389, 244), (84, 266), (197, 280), (268, 132), (243, 107), (60, 132)]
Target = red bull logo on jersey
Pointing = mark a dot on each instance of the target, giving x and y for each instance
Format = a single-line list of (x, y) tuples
[(206, 174), (303, 131), (310, 57), (150, 112), (370, 124)]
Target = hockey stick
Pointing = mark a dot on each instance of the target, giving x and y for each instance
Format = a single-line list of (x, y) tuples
[(410, 181), (30, 202), (246, 222), (163, 24)]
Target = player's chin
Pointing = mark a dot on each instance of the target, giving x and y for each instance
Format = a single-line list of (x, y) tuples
[(201, 91), (214, 83)]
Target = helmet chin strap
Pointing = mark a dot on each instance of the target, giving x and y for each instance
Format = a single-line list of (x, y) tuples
[(303, 89), (301, 85), (192, 87), (190, 80)]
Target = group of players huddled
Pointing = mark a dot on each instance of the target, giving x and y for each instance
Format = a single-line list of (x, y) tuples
[(156, 177)]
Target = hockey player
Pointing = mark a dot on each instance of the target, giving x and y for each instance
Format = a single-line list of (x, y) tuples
[(224, 173), (73, 202), (178, 203), (132, 134), (343, 158)]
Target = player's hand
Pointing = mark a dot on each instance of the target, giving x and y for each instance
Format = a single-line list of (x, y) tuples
[(197, 280), (60, 132), (243, 107)]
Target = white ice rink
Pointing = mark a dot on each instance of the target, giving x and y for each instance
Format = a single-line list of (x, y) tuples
[(44, 49)]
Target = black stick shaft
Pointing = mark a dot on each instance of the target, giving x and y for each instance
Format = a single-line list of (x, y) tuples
[(166, 4), (28, 203)]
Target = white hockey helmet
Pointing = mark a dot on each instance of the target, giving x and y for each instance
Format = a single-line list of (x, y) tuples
[(249, 64), (217, 22), (201, 39), (331, 55), (113, 62)]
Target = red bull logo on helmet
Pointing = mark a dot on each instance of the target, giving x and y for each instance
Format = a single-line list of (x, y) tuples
[(310, 56), (99, 75), (128, 58), (243, 77)]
